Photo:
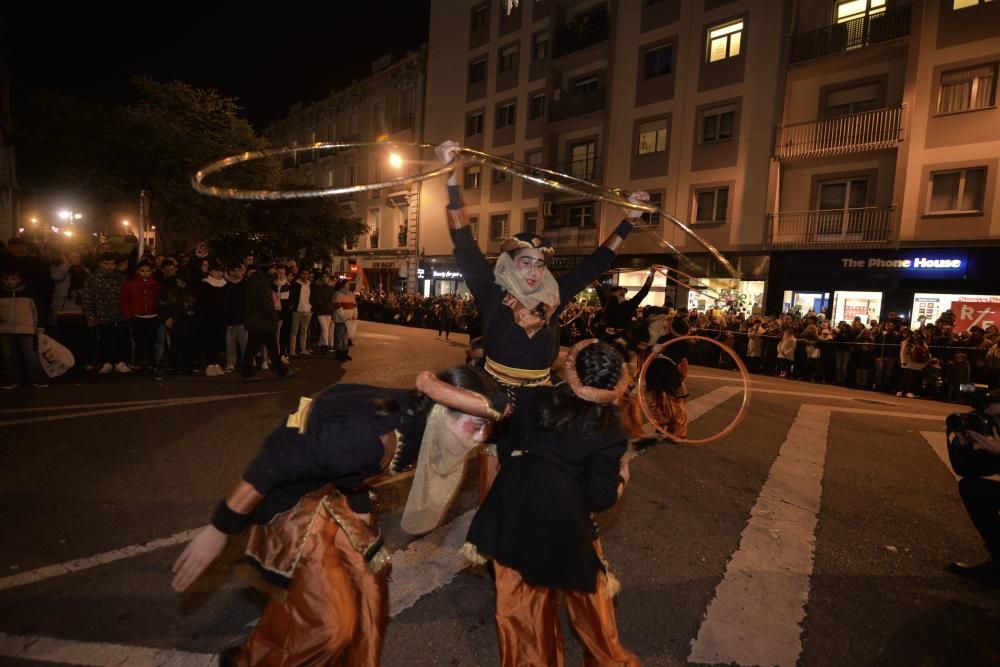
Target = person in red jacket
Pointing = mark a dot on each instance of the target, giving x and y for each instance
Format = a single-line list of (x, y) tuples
[(139, 309)]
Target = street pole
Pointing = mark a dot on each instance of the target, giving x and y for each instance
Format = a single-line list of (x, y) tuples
[(143, 222)]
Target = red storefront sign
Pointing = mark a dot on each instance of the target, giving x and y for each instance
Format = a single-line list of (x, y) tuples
[(975, 313)]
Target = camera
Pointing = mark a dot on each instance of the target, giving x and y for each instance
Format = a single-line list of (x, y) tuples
[(965, 429)]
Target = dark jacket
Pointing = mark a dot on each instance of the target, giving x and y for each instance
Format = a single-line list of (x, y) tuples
[(321, 297), (260, 313), (236, 302), (211, 306)]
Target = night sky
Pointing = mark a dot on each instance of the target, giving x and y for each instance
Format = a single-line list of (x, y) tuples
[(269, 55)]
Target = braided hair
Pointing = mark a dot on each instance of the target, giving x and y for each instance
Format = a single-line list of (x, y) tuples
[(599, 365)]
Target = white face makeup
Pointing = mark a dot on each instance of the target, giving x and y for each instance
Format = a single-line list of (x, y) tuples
[(530, 265), (469, 429)]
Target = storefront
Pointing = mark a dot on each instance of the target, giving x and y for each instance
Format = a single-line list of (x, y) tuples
[(440, 276), (914, 284), (385, 275)]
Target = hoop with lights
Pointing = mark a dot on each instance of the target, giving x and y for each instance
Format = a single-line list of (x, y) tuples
[(644, 405), (545, 177)]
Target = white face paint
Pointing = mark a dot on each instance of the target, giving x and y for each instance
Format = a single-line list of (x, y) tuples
[(530, 265), (470, 430)]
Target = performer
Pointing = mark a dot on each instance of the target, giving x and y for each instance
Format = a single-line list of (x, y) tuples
[(536, 523), (619, 311), (519, 299), (314, 543), (665, 391)]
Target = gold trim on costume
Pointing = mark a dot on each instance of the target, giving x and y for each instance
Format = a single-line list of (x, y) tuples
[(518, 377)]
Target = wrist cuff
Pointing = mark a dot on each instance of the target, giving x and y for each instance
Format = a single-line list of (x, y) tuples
[(455, 197), (229, 521), (623, 229)]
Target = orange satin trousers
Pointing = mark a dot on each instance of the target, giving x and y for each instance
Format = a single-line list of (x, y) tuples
[(335, 613), (528, 624)]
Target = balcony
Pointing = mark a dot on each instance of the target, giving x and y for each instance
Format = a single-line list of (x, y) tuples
[(584, 168), (842, 37), (586, 30), (869, 227), (403, 122), (568, 238), (578, 105), (866, 131)]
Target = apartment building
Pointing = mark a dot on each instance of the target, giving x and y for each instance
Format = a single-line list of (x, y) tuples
[(387, 105), (676, 98), (884, 175), (803, 138)]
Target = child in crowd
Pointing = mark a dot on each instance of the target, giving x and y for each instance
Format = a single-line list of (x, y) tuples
[(18, 332)]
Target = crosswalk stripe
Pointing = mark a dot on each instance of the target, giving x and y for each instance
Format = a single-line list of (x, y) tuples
[(94, 654)]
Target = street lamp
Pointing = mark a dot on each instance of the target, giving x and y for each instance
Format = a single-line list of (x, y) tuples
[(68, 233), (71, 216), (395, 161), (125, 223)]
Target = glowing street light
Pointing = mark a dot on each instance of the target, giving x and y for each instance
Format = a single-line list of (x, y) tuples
[(34, 221), (71, 216), (125, 223), (395, 161), (68, 233)]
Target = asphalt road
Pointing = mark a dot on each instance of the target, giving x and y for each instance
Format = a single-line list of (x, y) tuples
[(816, 534)]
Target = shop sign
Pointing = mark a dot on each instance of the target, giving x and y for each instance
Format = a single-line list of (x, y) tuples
[(927, 263), (446, 274), (420, 274), (970, 314)]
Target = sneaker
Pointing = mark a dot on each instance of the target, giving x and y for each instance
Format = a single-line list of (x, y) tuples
[(106, 368), (10, 386), (229, 369), (899, 394), (284, 358), (122, 367), (39, 385), (910, 395)]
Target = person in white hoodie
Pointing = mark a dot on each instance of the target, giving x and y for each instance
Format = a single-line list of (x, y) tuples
[(18, 332), (913, 356)]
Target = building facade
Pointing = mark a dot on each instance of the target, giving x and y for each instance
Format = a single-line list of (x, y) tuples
[(786, 133), (388, 105)]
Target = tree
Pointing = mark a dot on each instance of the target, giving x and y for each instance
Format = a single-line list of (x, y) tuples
[(108, 154)]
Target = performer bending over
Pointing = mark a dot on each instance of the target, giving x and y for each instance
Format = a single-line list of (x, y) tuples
[(520, 300), (536, 521), (314, 543)]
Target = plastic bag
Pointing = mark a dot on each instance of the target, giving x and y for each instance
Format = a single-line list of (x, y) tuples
[(53, 356)]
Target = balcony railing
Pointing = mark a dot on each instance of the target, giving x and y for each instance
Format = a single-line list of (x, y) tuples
[(585, 168), (571, 237), (841, 228), (866, 131), (587, 30), (578, 105), (840, 37), (403, 122)]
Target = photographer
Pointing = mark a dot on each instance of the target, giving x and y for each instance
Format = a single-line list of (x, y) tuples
[(974, 450)]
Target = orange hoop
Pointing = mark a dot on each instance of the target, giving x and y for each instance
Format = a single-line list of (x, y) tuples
[(744, 375)]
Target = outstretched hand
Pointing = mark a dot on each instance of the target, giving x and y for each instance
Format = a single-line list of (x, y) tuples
[(638, 197), (448, 152), (201, 552)]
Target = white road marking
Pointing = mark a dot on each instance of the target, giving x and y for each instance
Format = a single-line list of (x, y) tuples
[(169, 403), (378, 336), (428, 564), (49, 649), (81, 406), (756, 615), (697, 407), (938, 440), (49, 571)]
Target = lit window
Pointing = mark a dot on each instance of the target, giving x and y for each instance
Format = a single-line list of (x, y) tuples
[(506, 115), (958, 191), (499, 227), (658, 61), (724, 41), (536, 106), (653, 137), (962, 4), (717, 124), (711, 205), (968, 88), (653, 219), (583, 160), (472, 178), (850, 10), (474, 226)]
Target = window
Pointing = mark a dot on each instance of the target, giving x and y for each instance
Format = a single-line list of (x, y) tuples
[(474, 123), (583, 160), (352, 123), (710, 205), (849, 10), (374, 222), (580, 215), (406, 100), (508, 59), (499, 177), (378, 117), (968, 88), (536, 106), (653, 219), (724, 41), (657, 61), (585, 85), (472, 177), (402, 213), (329, 178), (652, 137), (480, 18), (477, 70), (717, 124), (474, 226), (540, 47), (958, 191), (534, 158), (843, 194), (375, 173), (531, 222), (352, 175), (962, 4), (506, 115), (847, 101), (499, 227)]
